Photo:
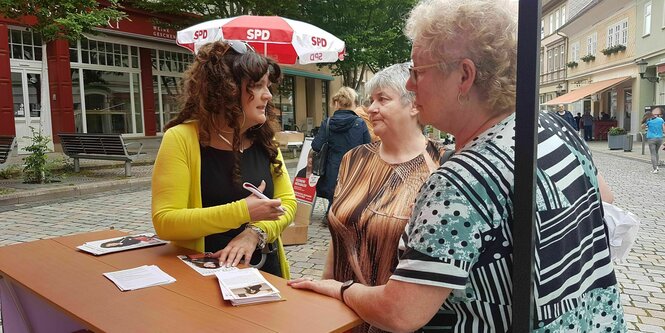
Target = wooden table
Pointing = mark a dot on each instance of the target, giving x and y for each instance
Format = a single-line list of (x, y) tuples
[(70, 282)]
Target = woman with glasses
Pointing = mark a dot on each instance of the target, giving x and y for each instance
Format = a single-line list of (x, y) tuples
[(223, 137), (655, 127), (377, 185), (455, 274)]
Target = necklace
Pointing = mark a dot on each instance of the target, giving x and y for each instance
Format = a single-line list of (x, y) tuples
[(229, 143)]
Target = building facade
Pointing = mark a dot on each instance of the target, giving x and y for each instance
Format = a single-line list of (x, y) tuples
[(553, 51), (650, 49), (123, 79), (601, 68)]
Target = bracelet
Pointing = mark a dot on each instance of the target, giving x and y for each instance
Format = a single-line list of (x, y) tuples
[(262, 235)]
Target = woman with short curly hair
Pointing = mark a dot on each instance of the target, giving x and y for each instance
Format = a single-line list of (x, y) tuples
[(223, 137)]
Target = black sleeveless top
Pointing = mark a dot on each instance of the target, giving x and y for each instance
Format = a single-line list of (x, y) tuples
[(218, 188)]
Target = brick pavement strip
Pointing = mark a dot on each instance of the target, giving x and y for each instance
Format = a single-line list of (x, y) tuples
[(641, 276)]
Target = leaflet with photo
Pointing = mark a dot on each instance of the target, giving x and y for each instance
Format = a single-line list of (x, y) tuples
[(204, 265), (246, 286), (124, 243)]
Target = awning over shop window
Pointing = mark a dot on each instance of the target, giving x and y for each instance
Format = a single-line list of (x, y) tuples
[(585, 91), (297, 72)]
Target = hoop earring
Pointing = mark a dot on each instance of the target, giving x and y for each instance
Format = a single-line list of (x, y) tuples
[(462, 99)]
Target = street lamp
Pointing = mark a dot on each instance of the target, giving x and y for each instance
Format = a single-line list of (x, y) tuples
[(643, 69)]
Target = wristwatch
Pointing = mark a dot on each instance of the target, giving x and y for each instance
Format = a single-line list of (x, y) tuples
[(346, 285), (262, 235)]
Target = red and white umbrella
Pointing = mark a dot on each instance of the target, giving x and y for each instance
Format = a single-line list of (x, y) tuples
[(285, 40)]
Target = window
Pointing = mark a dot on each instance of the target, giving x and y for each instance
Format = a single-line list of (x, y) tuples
[(647, 18), (25, 45), (563, 15), (324, 96), (550, 63), (284, 100), (617, 34), (106, 54), (551, 24), (575, 52), (169, 61), (542, 29), (562, 58), (556, 19), (591, 43), (167, 69), (556, 58)]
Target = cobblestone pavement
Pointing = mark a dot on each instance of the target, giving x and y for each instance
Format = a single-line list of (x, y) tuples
[(641, 276)]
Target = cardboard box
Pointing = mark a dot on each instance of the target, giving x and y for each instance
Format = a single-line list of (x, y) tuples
[(295, 234)]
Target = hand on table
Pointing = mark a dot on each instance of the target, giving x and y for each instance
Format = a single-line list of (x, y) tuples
[(330, 288), (263, 209), (241, 246)]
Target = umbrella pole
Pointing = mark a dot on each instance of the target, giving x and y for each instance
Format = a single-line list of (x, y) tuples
[(528, 46)]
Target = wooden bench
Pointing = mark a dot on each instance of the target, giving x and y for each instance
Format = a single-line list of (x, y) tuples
[(98, 147), (6, 145)]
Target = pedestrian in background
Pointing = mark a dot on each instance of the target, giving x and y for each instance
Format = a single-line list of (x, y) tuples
[(344, 131), (362, 112), (222, 137), (587, 123), (455, 273), (567, 116), (655, 127)]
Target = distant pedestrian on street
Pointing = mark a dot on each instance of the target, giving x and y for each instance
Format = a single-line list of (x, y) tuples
[(578, 117), (655, 127), (587, 123), (567, 116), (222, 137), (347, 130)]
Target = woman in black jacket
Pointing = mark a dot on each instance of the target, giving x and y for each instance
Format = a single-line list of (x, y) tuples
[(347, 130)]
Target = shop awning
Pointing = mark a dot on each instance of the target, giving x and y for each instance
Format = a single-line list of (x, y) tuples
[(585, 91), (297, 72)]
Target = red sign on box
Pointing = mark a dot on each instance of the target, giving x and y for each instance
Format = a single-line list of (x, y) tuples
[(304, 191)]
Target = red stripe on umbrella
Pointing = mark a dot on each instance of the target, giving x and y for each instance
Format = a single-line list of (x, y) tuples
[(285, 40)]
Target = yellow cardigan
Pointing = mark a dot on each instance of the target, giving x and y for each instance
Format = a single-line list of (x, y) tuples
[(177, 212)]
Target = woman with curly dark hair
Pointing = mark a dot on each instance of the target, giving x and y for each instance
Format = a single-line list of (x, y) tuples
[(222, 138)]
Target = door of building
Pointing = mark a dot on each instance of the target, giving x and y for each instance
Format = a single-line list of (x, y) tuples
[(27, 85)]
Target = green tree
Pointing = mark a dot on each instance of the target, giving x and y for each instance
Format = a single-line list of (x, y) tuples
[(62, 19), (371, 29), (214, 9)]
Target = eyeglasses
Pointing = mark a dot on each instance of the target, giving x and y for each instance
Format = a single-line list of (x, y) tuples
[(239, 46), (413, 71)]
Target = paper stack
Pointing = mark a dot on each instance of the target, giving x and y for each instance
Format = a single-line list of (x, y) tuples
[(204, 265), (139, 277), (117, 244), (246, 286)]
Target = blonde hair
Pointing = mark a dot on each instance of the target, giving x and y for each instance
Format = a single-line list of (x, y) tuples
[(345, 98), (483, 31)]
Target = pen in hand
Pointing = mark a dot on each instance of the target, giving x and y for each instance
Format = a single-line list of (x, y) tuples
[(250, 187)]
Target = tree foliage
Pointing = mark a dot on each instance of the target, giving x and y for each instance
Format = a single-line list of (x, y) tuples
[(371, 29), (56, 19), (204, 10)]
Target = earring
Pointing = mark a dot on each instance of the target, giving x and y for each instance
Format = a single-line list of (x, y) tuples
[(462, 99)]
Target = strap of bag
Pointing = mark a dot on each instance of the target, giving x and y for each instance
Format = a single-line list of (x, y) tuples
[(327, 129)]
